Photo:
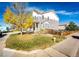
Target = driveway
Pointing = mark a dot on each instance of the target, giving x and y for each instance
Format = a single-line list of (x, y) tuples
[(69, 46)]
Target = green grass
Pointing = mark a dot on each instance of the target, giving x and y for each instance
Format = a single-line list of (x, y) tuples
[(37, 42)]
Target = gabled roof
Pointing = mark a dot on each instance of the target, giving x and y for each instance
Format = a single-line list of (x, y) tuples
[(40, 12), (51, 14)]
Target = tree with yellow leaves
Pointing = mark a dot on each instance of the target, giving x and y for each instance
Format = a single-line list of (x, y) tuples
[(21, 20)]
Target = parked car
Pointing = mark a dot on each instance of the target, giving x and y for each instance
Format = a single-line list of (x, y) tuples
[(0, 33)]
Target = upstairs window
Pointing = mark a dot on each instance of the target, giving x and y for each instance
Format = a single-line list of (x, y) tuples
[(48, 18), (42, 17)]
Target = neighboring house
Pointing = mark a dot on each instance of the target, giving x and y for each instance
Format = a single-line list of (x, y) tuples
[(45, 20), (62, 27)]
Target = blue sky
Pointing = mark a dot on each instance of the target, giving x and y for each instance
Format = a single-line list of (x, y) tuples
[(66, 11)]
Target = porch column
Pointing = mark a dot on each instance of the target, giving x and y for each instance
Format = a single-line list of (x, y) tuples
[(35, 27)]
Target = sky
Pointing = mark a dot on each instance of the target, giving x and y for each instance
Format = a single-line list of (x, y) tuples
[(66, 11)]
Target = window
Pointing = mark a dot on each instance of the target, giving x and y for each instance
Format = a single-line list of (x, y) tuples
[(42, 17), (35, 17), (48, 18)]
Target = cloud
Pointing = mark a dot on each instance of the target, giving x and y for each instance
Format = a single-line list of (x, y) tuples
[(63, 12), (38, 9), (66, 12), (33, 8)]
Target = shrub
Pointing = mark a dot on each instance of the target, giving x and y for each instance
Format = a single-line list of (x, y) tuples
[(72, 26)]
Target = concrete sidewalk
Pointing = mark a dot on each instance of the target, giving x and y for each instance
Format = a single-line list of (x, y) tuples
[(2, 43)]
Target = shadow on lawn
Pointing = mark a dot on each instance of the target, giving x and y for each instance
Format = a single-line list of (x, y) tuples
[(26, 33)]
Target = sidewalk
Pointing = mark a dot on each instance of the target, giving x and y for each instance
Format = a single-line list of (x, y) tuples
[(2, 43)]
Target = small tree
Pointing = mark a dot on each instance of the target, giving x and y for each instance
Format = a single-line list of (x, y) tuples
[(0, 28), (7, 28), (21, 20), (72, 26)]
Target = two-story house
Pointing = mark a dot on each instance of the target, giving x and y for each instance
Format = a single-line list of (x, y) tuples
[(45, 20)]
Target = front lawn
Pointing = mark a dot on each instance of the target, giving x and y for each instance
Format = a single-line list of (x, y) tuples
[(31, 42)]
